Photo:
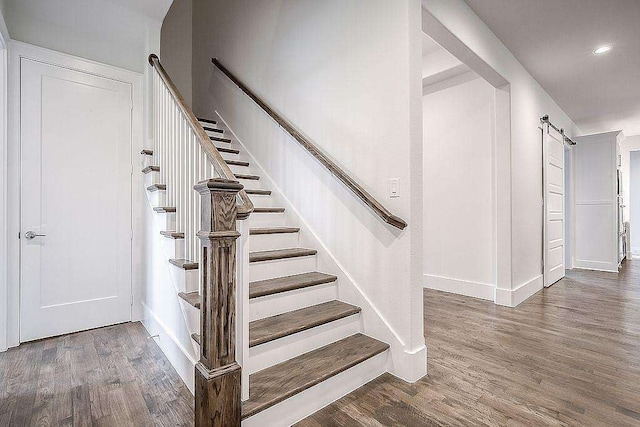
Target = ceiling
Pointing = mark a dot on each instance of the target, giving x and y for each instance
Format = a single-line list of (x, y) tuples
[(555, 39)]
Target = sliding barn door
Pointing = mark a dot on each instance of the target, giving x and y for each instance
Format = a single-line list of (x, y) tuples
[(554, 215), (75, 200)]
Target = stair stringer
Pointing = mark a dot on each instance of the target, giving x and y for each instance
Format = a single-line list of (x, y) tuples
[(400, 360), (164, 312)]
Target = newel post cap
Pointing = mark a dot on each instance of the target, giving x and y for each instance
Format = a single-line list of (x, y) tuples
[(218, 184)]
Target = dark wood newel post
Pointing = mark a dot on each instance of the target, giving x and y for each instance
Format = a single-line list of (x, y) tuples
[(218, 375)]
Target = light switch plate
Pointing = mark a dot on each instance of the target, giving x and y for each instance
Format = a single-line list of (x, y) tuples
[(394, 187)]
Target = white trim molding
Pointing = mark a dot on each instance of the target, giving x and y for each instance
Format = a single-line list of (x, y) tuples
[(514, 297), (458, 286)]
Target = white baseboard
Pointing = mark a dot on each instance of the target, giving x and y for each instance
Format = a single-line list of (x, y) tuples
[(611, 267), (178, 356), (514, 297), (460, 287)]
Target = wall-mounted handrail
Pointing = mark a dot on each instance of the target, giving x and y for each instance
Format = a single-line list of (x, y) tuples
[(367, 198), (213, 155)]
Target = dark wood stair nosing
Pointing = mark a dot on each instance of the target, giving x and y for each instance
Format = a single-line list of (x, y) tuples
[(172, 234), (272, 255), (157, 187), (211, 122), (196, 337), (184, 264), (273, 230), (268, 210), (236, 162), (193, 298), (228, 150), (338, 357), (258, 192), (248, 177), (147, 152), (218, 139), (149, 169), (283, 325), (267, 287), (165, 209)]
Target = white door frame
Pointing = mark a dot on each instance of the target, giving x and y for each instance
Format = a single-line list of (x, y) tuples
[(4, 40), (18, 50)]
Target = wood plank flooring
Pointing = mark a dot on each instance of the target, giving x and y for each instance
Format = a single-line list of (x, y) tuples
[(113, 376), (570, 355)]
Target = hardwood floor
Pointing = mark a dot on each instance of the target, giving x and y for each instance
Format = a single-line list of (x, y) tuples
[(113, 376), (570, 355)]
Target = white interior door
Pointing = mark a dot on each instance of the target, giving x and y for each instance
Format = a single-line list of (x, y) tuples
[(554, 215), (75, 260)]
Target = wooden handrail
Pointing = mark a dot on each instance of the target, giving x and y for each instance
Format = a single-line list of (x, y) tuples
[(367, 198), (213, 155)]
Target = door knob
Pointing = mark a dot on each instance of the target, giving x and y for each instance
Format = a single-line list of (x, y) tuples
[(30, 235)]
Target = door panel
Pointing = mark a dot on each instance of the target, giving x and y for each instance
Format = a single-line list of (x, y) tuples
[(76, 193), (554, 221)]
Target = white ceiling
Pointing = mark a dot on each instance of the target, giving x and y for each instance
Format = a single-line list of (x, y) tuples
[(554, 40)]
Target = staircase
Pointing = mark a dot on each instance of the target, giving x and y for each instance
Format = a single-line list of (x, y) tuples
[(305, 346)]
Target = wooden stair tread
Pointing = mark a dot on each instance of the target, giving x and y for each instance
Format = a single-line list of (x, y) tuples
[(244, 176), (157, 187), (192, 298), (282, 325), (196, 338), (280, 382), (210, 129), (236, 162), (173, 234), (147, 152), (211, 122), (228, 150), (184, 264), (273, 230), (280, 254), (151, 169), (262, 288), (165, 209), (268, 210), (258, 191), (218, 139)]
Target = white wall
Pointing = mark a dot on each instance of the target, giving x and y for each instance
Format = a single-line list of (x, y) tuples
[(101, 30), (634, 202), (458, 189), (348, 75), (176, 45), (529, 102)]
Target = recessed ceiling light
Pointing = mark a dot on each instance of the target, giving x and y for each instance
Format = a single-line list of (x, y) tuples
[(602, 49)]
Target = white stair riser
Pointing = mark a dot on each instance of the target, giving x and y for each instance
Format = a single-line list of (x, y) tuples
[(241, 169), (185, 280), (251, 183), (265, 242), (148, 161), (228, 156), (152, 178), (174, 247), (280, 350), (317, 397), (282, 267), (263, 201), (165, 221), (257, 220), (272, 305), (157, 198), (193, 316)]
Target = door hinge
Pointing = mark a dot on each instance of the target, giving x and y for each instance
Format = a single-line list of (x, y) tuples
[(131, 235), (18, 235), (131, 299), (131, 170)]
